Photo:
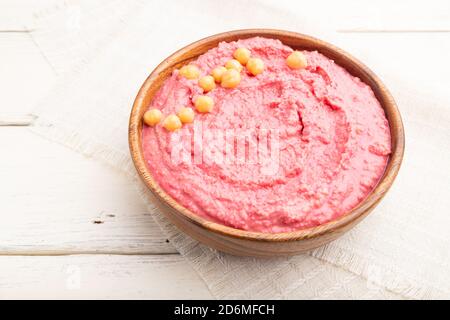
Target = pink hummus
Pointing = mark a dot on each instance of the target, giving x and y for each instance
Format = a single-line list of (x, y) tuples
[(333, 142)]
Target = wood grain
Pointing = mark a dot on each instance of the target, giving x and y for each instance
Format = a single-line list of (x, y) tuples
[(100, 277), (241, 242), (25, 75), (56, 201)]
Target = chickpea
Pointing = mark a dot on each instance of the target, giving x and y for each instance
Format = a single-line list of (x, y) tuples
[(152, 117), (186, 115), (255, 66), (207, 83), (172, 123), (231, 79), (242, 55), (296, 60), (190, 72), (217, 73), (233, 64), (204, 104)]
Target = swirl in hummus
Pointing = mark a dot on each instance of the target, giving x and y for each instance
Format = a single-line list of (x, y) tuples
[(332, 142)]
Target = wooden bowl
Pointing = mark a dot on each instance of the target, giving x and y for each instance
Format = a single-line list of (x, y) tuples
[(247, 243)]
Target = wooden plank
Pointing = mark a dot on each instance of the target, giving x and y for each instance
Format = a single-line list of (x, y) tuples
[(18, 15), (24, 70), (55, 201), (406, 54), (25, 75), (100, 277)]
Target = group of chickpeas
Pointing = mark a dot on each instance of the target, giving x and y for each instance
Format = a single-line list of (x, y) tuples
[(229, 76)]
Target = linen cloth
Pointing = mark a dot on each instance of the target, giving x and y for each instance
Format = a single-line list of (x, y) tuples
[(103, 51)]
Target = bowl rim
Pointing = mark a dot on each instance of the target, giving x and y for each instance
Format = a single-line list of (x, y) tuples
[(372, 199)]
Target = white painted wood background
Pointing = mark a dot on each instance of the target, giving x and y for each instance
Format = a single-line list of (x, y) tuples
[(71, 228)]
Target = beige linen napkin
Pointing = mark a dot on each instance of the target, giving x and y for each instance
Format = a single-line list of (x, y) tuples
[(106, 52)]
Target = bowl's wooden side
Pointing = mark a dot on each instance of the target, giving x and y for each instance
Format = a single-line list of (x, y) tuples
[(241, 242)]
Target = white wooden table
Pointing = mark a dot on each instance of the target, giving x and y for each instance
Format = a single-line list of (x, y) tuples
[(72, 228)]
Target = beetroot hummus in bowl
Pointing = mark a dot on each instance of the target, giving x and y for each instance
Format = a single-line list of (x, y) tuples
[(265, 142)]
